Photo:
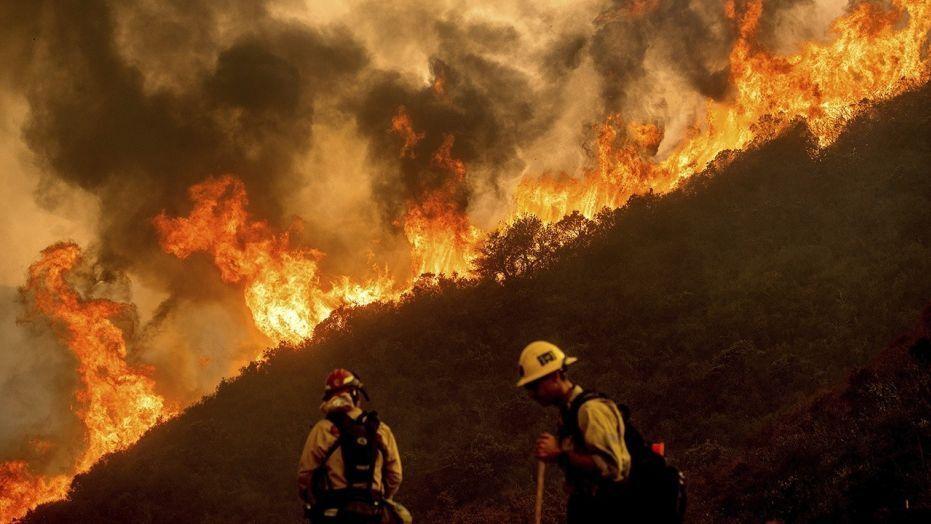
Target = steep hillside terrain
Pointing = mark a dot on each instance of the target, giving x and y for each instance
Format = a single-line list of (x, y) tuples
[(716, 312), (857, 454)]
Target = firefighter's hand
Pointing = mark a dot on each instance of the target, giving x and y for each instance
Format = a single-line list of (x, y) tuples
[(547, 448)]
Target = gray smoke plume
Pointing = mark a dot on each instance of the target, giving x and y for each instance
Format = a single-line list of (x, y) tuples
[(37, 385), (131, 102)]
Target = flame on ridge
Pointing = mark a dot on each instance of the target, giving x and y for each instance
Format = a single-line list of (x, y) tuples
[(876, 53), (281, 285), (623, 167), (442, 239), (116, 402)]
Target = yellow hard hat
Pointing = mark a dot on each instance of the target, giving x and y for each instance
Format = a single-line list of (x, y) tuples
[(539, 359)]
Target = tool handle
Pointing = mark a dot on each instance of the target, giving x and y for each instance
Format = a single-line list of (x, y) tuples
[(538, 506)]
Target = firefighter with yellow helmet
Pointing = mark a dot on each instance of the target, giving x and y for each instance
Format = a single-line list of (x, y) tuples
[(589, 443)]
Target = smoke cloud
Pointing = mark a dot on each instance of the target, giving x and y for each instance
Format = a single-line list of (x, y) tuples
[(37, 383), (116, 108)]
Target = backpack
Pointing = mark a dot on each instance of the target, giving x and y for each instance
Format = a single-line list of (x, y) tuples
[(657, 488), (359, 444)]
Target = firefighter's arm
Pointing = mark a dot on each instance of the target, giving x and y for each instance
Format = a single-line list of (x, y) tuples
[(578, 460), (311, 458), (548, 450), (603, 431), (392, 463)]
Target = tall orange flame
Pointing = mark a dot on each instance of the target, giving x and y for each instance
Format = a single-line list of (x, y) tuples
[(442, 238), (282, 288), (116, 402), (402, 126), (623, 166), (876, 53), (872, 57)]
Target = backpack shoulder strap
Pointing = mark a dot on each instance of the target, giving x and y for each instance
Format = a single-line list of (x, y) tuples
[(339, 420), (633, 440), (323, 475), (570, 416), (329, 451), (372, 425), (584, 397), (371, 421)]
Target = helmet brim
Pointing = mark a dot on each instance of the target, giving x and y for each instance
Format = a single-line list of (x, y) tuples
[(568, 361)]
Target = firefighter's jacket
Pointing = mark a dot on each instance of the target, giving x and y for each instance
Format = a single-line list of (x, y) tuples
[(322, 437), (602, 428)]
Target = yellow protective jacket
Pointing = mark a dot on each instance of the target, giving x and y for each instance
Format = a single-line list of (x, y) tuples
[(388, 473), (602, 428)]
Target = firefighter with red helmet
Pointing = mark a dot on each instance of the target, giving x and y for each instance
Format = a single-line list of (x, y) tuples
[(350, 467)]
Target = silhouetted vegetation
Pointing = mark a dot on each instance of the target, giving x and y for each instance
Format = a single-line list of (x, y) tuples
[(854, 455), (528, 245), (716, 312)]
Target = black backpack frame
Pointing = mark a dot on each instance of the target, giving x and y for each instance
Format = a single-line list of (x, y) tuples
[(359, 445), (656, 487)]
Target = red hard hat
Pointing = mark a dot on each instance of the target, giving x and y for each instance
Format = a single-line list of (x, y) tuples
[(342, 379)]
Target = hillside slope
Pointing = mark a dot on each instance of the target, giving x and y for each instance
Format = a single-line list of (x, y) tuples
[(712, 311), (856, 454)]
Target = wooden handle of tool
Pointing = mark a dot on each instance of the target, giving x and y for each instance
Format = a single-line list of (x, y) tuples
[(538, 507)]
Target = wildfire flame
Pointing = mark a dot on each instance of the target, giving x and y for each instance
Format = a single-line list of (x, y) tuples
[(21, 489), (442, 238), (870, 58), (876, 53), (281, 285), (402, 126), (623, 166), (116, 402)]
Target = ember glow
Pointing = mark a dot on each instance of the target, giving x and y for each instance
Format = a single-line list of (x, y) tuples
[(875, 53), (116, 402), (281, 283)]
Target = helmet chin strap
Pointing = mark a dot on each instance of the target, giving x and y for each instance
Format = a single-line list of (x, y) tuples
[(361, 386), (354, 393)]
